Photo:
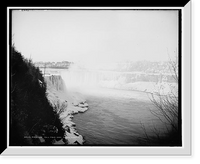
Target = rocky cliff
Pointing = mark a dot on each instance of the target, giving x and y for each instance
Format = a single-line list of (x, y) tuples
[(33, 120)]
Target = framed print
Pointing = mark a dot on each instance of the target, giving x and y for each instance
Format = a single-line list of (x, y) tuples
[(99, 80)]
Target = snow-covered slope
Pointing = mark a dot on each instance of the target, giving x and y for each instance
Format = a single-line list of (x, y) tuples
[(163, 88), (67, 104)]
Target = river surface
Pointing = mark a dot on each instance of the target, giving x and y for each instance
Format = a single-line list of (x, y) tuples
[(116, 117)]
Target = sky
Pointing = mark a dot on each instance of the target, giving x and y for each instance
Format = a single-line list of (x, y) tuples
[(94, 36)]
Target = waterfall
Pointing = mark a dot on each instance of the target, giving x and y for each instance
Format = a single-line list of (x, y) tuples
[(140, 81)]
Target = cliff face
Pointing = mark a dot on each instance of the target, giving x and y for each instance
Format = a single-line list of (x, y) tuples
[(33, 120), (41, 108)]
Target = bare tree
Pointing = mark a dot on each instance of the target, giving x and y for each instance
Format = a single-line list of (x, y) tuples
[(168, 110)]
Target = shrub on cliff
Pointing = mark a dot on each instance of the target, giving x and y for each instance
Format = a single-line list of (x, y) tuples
[(168, 111), (31, 114)]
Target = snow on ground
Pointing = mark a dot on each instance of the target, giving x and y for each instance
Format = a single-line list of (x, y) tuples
[(162, 88), (67, 104)]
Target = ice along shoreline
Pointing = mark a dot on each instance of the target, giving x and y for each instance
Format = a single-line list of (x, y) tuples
[(66, 104)]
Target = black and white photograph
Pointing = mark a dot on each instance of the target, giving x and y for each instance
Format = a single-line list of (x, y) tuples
[(95, 78)]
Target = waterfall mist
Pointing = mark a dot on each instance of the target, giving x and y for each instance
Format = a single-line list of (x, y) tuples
[(87, 76)]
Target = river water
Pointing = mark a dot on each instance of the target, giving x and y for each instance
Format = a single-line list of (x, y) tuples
[(116, 117)]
